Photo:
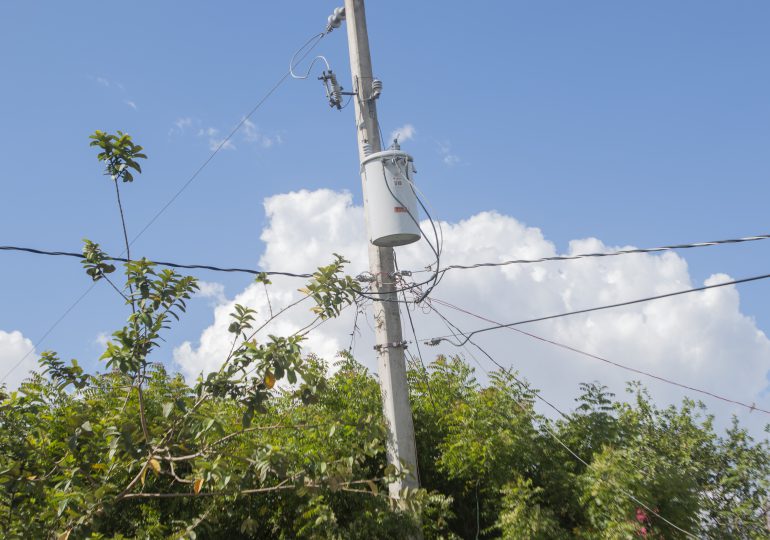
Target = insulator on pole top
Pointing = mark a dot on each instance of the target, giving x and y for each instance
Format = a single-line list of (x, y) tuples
[(335, 19)]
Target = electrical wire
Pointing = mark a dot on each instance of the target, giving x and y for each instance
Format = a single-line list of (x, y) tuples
[(672, 382), (224, 141), (608, 254), (521, 383), (434, 278), (439, 339), (436, 249), (47, 332), (547, 428), (160, 263), (312, 63), (364, 294), (160, 212), (419, 355)]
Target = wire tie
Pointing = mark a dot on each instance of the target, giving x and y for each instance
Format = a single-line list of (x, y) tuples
[(365, 279), (393, 345)]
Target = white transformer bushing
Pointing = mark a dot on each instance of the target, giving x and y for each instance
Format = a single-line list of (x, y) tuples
[(389, 199)]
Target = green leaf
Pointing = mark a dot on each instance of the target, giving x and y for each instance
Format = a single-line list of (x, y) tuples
[(180, 404), (248, 415)]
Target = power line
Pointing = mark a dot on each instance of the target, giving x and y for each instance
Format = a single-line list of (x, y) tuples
[(439, 339), (548, 429), (159, 263), (45, 335), (226, 139), (419, 353), (751, 407), (452, 267), (521, 384), (171, 201), (607, 254)]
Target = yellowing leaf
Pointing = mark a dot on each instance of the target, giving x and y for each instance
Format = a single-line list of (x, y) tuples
[(269, 380), (65, 535), (197, 485), (155, 465), (143, 474)]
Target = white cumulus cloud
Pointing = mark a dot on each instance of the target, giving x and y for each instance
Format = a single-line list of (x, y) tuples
[(17, 358), (212, 290), (700, 339), (252, 134), (447, 156), (216, 142)]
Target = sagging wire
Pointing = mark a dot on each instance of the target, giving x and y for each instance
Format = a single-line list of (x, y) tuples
[(360, 310), (434, 248), (160, 212), (522, 385), (631, 251), (531, 414), (439, 339), (751, 407), (424, 370), (292, 65), (439, 240)]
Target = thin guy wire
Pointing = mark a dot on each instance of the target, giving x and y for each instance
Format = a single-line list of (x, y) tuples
[(521, 384), (225, 141), (50, 329), (169, 203), (608, 254), (419, 354), (752, 407), (562, 443), (437, 340)]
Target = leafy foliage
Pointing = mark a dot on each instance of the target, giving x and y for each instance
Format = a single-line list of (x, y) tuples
[(276, 445), (509, 477), (119, 153), (94, 261)]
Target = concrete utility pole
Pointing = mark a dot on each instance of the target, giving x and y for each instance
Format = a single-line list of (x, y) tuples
[(390, 346)]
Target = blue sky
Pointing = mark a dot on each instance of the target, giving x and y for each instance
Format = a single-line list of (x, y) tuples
[(635, 123)]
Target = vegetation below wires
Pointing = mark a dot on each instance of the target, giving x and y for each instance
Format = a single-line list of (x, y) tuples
[(274, 444)]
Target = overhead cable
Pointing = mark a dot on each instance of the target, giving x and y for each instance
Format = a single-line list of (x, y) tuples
[(666, 380), (160, 263), (45, 335), (224, 141), (529, 412), (184, 186), (439, 339), (603, 254)]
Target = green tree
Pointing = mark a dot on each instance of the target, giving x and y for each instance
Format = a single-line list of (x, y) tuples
[(279, 444)]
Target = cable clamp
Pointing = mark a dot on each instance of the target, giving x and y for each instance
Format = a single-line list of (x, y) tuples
[(432, 342), (392, 345), (366, 278)]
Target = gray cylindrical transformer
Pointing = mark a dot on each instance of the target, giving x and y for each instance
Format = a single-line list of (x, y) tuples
[(389, 199)]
